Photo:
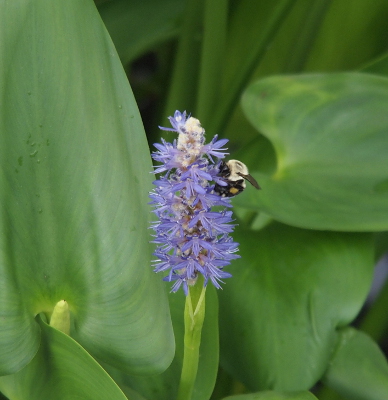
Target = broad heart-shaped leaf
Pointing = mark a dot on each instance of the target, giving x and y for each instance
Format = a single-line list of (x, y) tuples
[(271, 395), (358, 370), (165, 386), (74, 187), (61, 370), (330, 134), (289, 292)]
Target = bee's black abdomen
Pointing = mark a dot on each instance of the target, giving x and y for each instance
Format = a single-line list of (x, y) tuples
[(232, 189)]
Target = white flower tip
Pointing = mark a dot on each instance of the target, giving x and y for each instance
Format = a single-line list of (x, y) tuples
[(193, 125)]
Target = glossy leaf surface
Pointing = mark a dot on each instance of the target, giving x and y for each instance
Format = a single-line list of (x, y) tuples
[(73, 192), (61, 370), (290, 291), (330, 134), (359, 369)]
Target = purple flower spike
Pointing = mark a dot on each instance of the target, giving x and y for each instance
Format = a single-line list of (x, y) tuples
[(192, 238)]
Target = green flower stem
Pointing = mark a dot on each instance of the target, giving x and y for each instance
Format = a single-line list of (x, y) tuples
[(194, 316)]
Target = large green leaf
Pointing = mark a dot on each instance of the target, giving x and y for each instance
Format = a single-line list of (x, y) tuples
[(61, 370), (73, 192), (289, 292), (330, 134), (359, 369)]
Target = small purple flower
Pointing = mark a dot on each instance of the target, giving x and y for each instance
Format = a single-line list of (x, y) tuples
[(192, 238)]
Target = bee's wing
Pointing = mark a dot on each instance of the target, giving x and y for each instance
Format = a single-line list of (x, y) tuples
[(251, 180)]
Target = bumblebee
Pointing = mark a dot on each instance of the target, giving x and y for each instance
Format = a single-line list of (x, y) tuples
[(234, 173)]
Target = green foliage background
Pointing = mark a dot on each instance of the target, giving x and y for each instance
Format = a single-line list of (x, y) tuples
[(301, 90)]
